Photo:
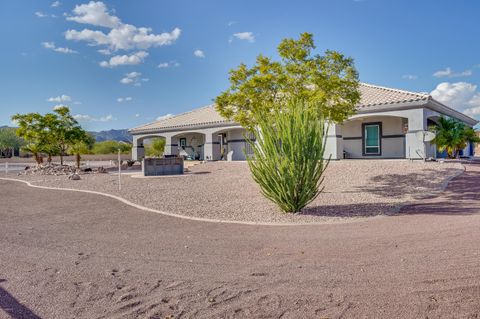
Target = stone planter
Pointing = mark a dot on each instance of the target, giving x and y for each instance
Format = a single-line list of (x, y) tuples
[(162, 166)]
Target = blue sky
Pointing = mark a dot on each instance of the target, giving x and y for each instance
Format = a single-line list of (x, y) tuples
[(98, 58)]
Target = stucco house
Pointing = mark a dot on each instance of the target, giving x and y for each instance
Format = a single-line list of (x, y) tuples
[(384, 127)]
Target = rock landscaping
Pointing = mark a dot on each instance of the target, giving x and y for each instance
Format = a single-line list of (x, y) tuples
[(58, 170)]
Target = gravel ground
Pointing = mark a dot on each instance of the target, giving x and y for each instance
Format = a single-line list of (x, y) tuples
[(225, 190)]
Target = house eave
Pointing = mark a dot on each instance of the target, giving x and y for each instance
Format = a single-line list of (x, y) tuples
[(443, 109), (188, 127)]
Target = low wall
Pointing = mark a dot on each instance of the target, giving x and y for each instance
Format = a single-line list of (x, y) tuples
[(162, 166)]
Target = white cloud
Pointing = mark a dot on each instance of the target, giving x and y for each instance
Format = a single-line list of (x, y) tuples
[(410, 77), (89, 118), (117, 60), (164, 117), (168, 64), (104, 51), (462, 96), (94, 13), (137, 115), (246, 36), (230, 23), (199, 53), (60, 99), (121, 36), (448, 72), (124, 99), (55, 4), (133, 78), (40, 14), (51, 46)]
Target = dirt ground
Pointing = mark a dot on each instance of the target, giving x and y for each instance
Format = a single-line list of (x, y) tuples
[(74, 255)]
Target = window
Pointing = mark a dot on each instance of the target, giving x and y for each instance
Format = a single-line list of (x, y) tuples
[(371, 139), (183, 142)]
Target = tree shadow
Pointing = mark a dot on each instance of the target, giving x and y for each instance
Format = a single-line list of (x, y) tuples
[(460, 198), (349, 210), (13, 307), (419, 185)]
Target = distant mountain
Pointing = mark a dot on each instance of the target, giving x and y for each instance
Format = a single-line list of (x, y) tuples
[(116, 135)]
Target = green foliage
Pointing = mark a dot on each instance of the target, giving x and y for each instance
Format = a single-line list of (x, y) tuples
[(452, 136), (52, 133), (329, 83), (156, 147), (83, 145), (111, 147), (288, 154), (9, 141)]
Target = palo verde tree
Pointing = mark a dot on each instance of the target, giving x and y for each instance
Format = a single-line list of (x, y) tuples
[(452, 136), (328, 82), (288, 106)]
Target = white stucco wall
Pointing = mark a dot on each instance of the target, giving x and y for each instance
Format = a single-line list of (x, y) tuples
[(236, 144), (392, 141)]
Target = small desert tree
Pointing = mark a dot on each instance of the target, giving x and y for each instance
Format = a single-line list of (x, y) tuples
[(288, 161), (156, 148), (83, 145), (31, 129), (329, 83), (9, 141), (52, 133)]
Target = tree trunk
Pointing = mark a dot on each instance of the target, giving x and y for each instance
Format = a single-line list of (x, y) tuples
[(77, 156), (49, 159)]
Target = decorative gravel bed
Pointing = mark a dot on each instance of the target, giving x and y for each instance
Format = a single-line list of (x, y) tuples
[(225, 190)]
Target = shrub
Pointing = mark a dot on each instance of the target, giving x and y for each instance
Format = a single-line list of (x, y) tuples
[(111, 147), (156, 147), (288, 161)]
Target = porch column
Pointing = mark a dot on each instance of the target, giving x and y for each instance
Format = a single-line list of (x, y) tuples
[(211, 148), (334, 142), (171, 145), (414, 148), (138, 152)]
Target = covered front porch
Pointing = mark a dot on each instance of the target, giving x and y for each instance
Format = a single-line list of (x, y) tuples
[(210, 144)]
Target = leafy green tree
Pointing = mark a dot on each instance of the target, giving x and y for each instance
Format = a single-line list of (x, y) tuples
[(156, 147), (32, 130), (35, 149), (288, 161), (51, 133), (452, 136), (63, 129), (327, 82), (83, 145), (111, 147), (9, 141)]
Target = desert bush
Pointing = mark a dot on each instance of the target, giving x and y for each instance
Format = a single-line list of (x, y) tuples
[(111, 147), (288, 161), (156, 147)]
